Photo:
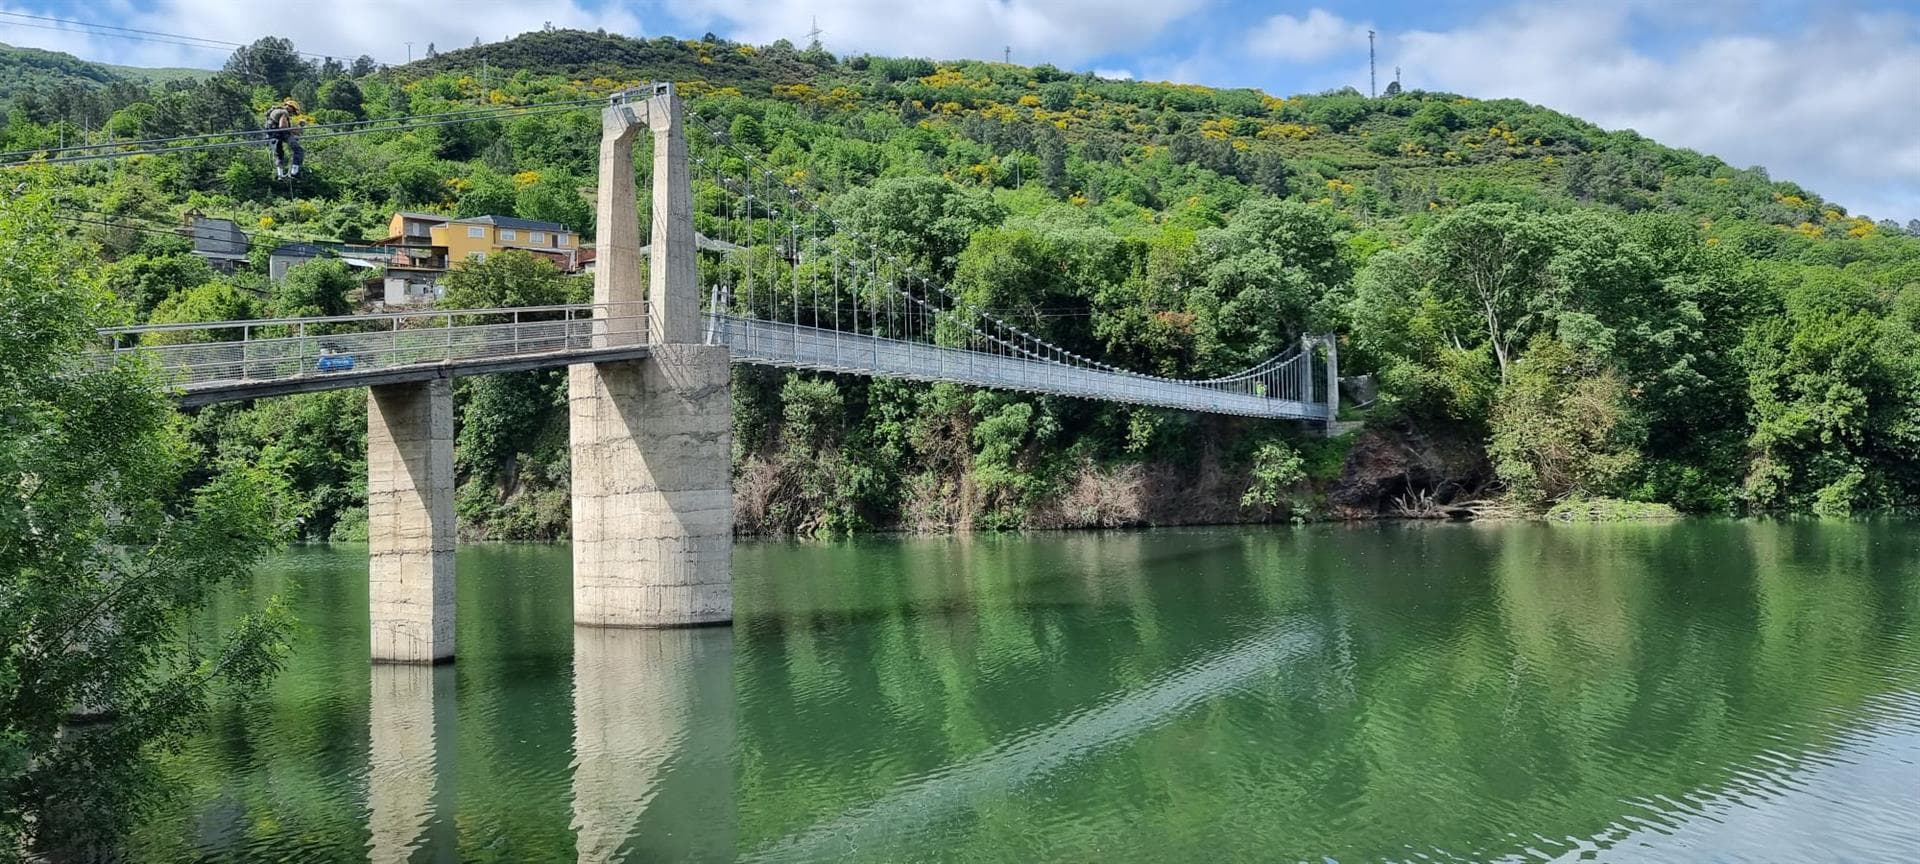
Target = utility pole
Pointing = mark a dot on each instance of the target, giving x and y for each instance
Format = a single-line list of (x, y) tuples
[(813, 36), (1373, 88), (409, 52), (1006, 54)]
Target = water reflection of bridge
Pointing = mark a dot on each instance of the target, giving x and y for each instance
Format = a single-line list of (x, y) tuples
[(635, 693)]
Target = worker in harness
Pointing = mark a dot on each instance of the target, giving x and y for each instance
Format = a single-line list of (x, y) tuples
[(286, 137)]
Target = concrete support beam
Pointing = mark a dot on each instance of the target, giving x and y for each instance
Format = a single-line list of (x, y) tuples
[(1332, 342), (652, 489), (616, 274), (672, 268), (410, 521)]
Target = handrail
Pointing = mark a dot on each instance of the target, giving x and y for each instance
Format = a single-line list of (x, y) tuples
[(348, 319)]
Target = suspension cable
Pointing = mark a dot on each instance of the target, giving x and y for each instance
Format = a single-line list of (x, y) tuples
[(992, 320)]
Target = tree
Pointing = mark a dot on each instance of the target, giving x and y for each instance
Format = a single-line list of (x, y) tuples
[(102, 561), (508, 278), (271, 61), (1275, 271), (341, 94), (926, 219), (146, 280), (555, 197), (487, 193), (316, 288), (212, 301), (1563, 426), (1492, 259)]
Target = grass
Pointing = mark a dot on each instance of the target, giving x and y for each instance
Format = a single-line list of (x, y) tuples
[(1609, 510)]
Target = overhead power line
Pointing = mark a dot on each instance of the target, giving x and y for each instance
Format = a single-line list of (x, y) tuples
[(254, 138), (253, 239), (113, 30), (479, 114)]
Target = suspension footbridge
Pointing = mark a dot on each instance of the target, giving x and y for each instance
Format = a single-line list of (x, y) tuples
[(648, 360)]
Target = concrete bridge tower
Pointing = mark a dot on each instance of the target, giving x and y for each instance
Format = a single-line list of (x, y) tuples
[(652, 438)]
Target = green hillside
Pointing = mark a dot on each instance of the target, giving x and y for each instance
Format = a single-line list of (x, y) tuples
[(26, 69), (157, 75), (1553, 312)]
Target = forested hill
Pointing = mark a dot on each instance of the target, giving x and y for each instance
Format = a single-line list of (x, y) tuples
[(1553, 312)]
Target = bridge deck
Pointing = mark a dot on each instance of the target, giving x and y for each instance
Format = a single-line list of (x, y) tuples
[(801, 347), (231, 361)]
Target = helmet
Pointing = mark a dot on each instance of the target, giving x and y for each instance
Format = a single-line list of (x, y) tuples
[(292, 104)]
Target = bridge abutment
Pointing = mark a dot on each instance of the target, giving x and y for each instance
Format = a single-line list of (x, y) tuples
[(410, 521)]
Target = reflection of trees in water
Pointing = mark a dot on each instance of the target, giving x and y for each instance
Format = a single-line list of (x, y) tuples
[(1540, 675), (1460, 683)]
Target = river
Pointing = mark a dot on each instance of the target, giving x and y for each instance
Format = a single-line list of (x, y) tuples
[(1695, 691)]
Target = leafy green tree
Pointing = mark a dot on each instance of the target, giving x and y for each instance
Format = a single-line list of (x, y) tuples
[(342, 94), (102, 562), (509, 278), (416, 181), (1489, 261), (487, 193), (315, 288), (271, 61), (555, 197), (144, 281), (1563, 425), (211, 301), (1277, 270), (926, 219)]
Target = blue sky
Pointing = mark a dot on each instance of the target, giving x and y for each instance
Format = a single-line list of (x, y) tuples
[(1822, 93)]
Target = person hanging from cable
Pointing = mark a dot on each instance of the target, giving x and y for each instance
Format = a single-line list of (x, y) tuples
[(285, 132)]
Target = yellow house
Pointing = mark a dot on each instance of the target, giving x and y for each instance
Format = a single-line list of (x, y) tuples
[(482, 236)]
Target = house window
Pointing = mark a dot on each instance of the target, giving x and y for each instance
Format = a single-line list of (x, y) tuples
[(565, 240), (476, 231), (537, 238), (507, 234)]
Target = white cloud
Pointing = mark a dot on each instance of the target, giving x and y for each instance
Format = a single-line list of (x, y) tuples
[(1834, 107), (1318, 36), (1114, 74), (1036, 31), (347, 28)]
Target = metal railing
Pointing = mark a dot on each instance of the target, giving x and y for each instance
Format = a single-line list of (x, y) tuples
[(202, 356), (232, 359), (1285, 387)]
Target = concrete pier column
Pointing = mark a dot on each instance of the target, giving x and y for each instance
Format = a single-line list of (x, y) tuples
[(410, 521), (651, 439), (652, 489)]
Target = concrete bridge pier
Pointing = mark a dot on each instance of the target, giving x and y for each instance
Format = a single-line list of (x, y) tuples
[(410, 520), (652, 438)]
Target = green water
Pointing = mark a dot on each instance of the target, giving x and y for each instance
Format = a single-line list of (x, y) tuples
[(1703, 691)]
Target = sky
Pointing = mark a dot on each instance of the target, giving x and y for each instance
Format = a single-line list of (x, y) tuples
[(1826, 94)]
